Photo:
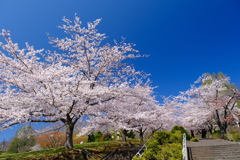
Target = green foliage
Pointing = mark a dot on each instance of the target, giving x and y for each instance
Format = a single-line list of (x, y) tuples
[(19, 145), (163, 145), (176, 137), (182, 130), (163, 137), (216, 134), (171, 151), (194, 140), (234, 136), (131, 134), (49, 154), (139, 158), (105, 137), (153, 148), (23, 141), (219, 76), (214, 76), (96, 136), (102, 137)]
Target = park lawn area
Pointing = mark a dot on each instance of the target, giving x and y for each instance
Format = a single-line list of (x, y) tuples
[(32, 154), (96, 149)]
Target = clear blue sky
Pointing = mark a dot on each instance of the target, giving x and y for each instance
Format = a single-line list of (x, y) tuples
[(185, 38)]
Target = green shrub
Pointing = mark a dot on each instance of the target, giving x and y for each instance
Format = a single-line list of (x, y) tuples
[(171, 151), (182, 130), (163, 145), (105, 137), (194, 140), (168, 151), (216, 134), (176, 137), (139, 158), (131, 134), (163, 137), (153, 148), (97, 136)]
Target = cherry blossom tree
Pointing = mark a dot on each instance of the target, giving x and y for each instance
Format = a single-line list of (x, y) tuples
[(212, 96), (137, 113), (158, 118), (77, 79), (127, 112)]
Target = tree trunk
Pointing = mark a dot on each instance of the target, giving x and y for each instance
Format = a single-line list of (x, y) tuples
[(141, 135), (210, 127), (222, 127), (192, 134), (124, 135), (69, 135)]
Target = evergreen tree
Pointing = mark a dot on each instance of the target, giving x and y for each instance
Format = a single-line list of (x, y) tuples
[(23, 140)]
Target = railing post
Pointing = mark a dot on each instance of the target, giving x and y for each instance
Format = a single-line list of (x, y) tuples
[(184, 147)]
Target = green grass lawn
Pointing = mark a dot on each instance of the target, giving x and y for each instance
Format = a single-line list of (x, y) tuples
[(32, 154), (96, 149)]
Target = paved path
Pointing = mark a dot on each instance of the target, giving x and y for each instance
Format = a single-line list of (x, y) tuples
[(209, 142)]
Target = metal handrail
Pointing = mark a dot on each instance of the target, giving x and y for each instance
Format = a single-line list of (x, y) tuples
[(184, 147), (142, 148), (108, 155)]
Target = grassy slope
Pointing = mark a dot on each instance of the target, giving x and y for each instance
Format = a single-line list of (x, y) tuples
[(97, 150)]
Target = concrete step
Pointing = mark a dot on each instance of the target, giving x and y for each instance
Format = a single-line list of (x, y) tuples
[(218, 152)]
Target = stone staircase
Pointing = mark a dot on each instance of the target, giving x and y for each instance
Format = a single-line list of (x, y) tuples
[(217, 152)]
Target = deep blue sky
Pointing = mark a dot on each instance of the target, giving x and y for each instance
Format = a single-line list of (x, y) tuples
[(184, 38)]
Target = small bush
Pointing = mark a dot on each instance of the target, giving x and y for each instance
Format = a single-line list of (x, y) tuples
[(194, 140), (163, 137), (131, 134), (182, 130), (97, 136), (105, 137)]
